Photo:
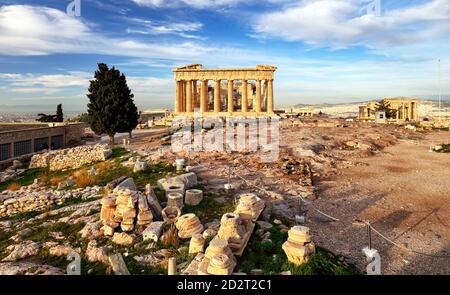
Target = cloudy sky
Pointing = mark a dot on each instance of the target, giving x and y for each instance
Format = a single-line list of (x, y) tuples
[(326, 50)]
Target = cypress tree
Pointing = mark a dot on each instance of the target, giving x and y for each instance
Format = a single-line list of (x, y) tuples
[(111, 107), (59, 113)]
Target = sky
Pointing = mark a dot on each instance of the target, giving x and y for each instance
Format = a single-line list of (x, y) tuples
[(326, 51)]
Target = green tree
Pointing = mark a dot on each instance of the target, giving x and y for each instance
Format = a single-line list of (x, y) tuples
[(46, 118), (385, 106), (59, 113), (111, 107)]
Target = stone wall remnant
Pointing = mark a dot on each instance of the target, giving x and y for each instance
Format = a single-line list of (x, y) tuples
[(71, 158)]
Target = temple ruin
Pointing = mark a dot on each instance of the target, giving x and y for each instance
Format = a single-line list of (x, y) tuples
[(246, 92), (406, 109)]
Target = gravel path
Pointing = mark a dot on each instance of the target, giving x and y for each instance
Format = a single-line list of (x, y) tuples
[(405, 193)]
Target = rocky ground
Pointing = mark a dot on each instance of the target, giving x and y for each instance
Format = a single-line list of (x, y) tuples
[(344, 169), (352, 171)]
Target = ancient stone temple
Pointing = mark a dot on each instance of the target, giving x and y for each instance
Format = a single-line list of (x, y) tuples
[(406, 109), (224, 92)]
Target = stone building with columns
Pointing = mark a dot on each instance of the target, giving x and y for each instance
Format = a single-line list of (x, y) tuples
[(224, 92), (406, 109)]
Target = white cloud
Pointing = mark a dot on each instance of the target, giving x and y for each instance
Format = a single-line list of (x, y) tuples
[(341, 24), (181, 29), (203, 4), (48, 81), (192, 3), (32, 30)]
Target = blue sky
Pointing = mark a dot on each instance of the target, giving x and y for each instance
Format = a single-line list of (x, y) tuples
[(326, 50)]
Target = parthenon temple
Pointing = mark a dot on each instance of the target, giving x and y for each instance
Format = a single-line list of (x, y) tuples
[(240, 91)]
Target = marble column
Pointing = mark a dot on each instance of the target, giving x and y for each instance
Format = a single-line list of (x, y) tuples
[(270, 96), (216, 96), (204, 97), (194, 95), (244, 102), (189, 97), (183, 96), (177, 97), (258, 97), (230, 96), (264, 96)]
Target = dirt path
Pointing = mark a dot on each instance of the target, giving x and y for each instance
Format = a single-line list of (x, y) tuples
[(405, 193)]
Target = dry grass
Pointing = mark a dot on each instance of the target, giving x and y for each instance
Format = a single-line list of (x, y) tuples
[(170, 237), (83, 179), (44, 179), (105, 166), (56, 180), (14, 186)]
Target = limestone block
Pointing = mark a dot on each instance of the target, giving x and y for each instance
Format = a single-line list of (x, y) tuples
[(232, 230), (249, 207), (174, 188), (127, 227), (126, 184), (220, 264), (218, 246), (108, 201), (108, 230), (188, 179), (188, 225), (144, 217), (118, 265), (107, 213), (175, 200), (128, 213), (153, 202), (298, 247), (197, 244), (122, 239), (299, 234), (140, 166), (193, 197), (164, 183), (153, 231), (142, 203)]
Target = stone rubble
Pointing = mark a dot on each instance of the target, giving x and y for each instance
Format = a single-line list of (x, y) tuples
[(23, 250), (71, 158), (34, 198), (11, 172)]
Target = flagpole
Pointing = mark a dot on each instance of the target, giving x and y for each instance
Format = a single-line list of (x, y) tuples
[(440, 94)]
